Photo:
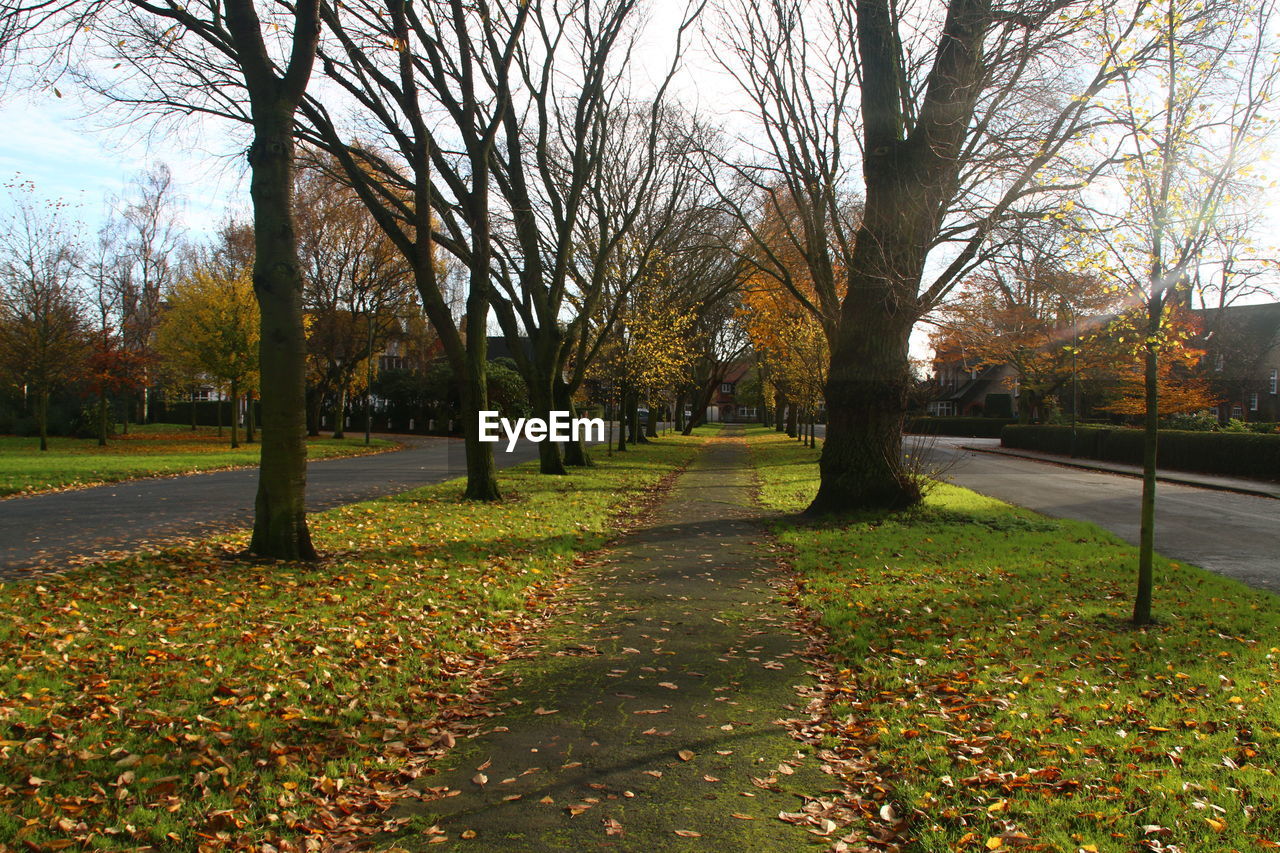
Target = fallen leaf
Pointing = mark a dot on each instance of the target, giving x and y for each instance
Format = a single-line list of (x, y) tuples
[(612, 827), (686, 754), (480, 779), (688, 833)]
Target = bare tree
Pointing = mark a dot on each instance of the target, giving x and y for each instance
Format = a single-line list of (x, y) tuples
[(43, 326), (232, 59), (947, 120), (434, 105)]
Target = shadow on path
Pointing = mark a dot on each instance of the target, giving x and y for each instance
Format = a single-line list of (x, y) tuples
[(646, 721)]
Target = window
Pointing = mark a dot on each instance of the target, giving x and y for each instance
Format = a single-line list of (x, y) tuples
[(726, 388), (1218, 362), (1273, 380), (1253, 401), (942, 408), (1237, 411)]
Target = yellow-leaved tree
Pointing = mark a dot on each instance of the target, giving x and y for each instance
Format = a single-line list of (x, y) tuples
[(210, 329)]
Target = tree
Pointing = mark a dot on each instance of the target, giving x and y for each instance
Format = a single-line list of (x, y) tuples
[(957, 119), (1030, 310), (1187, 124), (145, 239), (223, 58), (459, 54), (358, 286), (210, 328), (44, 335), (1114, 356)]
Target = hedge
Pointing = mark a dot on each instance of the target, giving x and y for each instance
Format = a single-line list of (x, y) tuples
[(1231, 454), (964, 427)]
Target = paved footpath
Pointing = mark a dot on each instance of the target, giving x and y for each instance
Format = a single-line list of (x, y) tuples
[(646, 721)]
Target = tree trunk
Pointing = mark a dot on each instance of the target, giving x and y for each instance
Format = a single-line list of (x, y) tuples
[(193, 410), (575, 452), (622, 418), (315, 403), (217, 408), (542, 397), (482, 476), (248, 417), (651, 423), (102, 420), (793, 421), (780, 412), (42, 418), (866, 395), (340, 413), (235, 414), (1150, 440), (280, 514)]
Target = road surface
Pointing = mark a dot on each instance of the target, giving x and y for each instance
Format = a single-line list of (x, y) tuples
[(46, 530), (1232, 534)]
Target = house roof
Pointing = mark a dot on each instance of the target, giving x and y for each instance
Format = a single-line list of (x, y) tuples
[(1249, 328)]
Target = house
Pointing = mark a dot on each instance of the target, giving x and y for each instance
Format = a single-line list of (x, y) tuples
[(964, 385), (724, 406), (1242, 359)]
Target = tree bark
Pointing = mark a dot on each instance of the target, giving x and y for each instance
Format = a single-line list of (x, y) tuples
[(248, 417), (102, 420), (866, 394), (575, 452), (651, 423), (1150, 440), (542, 396), (193, 410), (42, 418), (340, 413), (235, 414), (280, 522)]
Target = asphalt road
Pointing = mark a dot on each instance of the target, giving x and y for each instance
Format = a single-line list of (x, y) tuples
[(46, 530), (1232, 534)]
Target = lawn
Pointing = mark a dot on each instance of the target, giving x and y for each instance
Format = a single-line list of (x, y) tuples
[(196, 701), (147, 451), (991, 673)]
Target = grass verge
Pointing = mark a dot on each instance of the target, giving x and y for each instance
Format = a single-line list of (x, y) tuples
[(989, 665), (191, 700), (147, 451)]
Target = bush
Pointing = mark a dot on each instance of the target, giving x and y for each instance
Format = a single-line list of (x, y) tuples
[(1200, 422), (964, 427), (1231, 454)]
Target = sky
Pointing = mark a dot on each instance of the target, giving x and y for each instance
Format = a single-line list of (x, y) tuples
[(74, 155), (86, 158)]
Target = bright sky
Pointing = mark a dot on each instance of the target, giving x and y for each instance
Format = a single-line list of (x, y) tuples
[(79, 157)]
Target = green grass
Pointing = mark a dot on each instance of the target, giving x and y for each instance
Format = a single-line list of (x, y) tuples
[(1007, 699), (192, 697), (147, 451)]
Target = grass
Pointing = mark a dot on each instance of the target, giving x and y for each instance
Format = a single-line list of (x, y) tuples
[(147, 451), (192, 700), (990, 666)]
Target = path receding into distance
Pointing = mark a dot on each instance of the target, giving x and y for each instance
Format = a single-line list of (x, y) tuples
[(50, 528), (649, 718)]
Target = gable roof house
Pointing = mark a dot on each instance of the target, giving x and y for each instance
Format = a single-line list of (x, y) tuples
[(1242, 359)]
